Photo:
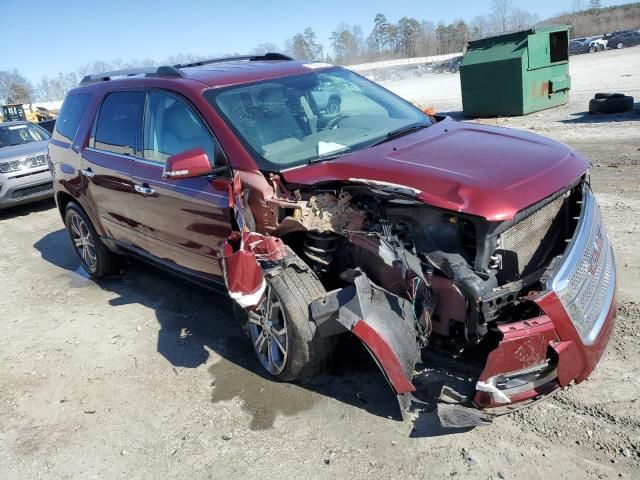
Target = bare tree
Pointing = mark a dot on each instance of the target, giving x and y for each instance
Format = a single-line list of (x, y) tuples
[(479, 27), (263, 48), (15, 88), (501, 12)]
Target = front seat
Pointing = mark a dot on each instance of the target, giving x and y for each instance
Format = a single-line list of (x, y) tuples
[(278, 122), (182, 131)]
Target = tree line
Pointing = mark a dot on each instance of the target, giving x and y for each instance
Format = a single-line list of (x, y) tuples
[(408, 37)]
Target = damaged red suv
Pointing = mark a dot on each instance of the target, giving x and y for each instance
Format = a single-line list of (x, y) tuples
[(461, 251)]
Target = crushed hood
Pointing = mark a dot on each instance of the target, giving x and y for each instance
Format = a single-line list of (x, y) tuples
[(480, 170)]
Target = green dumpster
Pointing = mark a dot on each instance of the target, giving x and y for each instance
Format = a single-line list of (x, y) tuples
[(516, 73)]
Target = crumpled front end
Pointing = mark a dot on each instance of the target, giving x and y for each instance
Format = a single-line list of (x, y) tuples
[(537, 356), (478, 312)]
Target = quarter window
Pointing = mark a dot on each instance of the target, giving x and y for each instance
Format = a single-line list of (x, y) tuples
[(119, 122), (172, 127), (71, 114)]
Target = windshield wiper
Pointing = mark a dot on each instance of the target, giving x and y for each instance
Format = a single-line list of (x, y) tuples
[(402, 131), (331, 156)]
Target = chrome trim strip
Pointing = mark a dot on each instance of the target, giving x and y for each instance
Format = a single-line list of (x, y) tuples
[(569, 267), (107, 152)]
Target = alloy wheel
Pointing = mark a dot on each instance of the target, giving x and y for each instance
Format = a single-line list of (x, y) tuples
[(83, 242), (268, 331)]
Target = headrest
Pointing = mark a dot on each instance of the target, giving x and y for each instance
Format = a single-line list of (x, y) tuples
[(182, 123), (273, 102)]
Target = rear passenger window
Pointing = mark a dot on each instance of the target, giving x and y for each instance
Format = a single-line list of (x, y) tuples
[(119, 123), (71, 114), (172, 127)]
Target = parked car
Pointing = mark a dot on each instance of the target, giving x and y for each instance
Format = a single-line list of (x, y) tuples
[(626, 39), (327, 100), (597, 44), (24, 171), (452, 65), (578, 46), (481, 247), (587, 45)]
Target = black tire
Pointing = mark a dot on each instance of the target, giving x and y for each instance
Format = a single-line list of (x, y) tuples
[(307, 352), (619, 45), (592, 49), (611, 105), (608, 95), (97, 260)]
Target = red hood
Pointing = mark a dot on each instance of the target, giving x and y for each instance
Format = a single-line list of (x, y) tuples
[(485, 171)]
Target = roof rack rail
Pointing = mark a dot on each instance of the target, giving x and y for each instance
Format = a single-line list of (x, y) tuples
[(250, 58), (166, 70)]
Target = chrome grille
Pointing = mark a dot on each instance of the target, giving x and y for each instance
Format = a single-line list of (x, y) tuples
[(532, 239), (585, 280), (29, 162)]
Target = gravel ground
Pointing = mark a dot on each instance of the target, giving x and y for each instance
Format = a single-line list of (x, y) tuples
[(146, 376)]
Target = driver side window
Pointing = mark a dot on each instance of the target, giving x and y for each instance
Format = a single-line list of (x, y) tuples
[(171, 126)]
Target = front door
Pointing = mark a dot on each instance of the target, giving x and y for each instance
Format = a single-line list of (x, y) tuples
[(185, 221)]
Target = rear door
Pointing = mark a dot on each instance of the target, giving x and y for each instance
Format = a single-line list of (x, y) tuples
[(108, 161), (185, 221)]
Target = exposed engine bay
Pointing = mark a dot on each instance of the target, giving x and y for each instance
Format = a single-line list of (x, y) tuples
[(452, 280)]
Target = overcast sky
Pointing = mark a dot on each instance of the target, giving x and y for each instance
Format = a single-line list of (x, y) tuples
[(45, 37)]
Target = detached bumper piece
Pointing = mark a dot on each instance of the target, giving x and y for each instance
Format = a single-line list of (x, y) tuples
[(385, 324), (382, 321)]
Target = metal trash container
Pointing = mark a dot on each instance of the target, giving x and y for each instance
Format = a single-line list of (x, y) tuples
[(516, 73)]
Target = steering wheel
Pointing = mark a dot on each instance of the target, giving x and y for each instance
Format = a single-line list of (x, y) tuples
[(336, 120)]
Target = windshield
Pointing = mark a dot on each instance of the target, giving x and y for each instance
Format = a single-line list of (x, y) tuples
[(20, 133), (294, 120)]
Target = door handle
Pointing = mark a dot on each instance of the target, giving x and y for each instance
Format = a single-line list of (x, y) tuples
[(144, 189), (87, 172)]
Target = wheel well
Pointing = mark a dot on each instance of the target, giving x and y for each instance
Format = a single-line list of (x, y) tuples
[(63, 199)]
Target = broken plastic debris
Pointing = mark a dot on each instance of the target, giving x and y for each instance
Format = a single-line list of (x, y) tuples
[(497, 395)]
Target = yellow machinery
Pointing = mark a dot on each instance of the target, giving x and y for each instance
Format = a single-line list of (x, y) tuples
[(16, 111)]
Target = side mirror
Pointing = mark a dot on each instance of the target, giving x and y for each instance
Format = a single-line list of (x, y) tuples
[(189, 164)]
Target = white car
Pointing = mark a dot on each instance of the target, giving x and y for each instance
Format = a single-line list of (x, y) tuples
[(24, 170)]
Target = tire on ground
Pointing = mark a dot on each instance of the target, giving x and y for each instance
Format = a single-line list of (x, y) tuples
[(106, 261), (611, 104), (308, 352), (608, 95)]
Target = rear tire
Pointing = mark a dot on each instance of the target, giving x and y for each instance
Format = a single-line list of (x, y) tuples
[(287, 342), (96, 259)]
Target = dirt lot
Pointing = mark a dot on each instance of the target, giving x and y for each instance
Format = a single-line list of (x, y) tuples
[(147, 376)]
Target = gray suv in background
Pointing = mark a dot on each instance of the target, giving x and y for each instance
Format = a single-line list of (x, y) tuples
[(24, 171)]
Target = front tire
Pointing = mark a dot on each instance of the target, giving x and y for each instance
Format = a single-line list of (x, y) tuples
[(284, 339), (94, 256), (619, 45)]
